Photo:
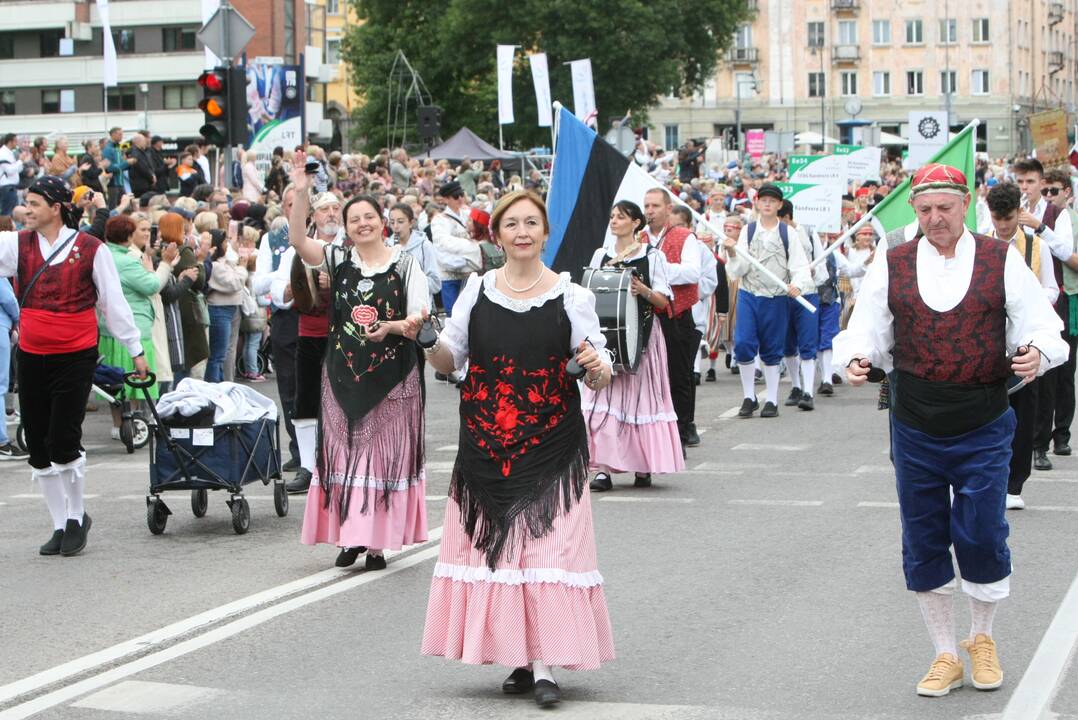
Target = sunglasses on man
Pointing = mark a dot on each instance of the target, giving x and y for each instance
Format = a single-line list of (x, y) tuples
[(1053, 191)]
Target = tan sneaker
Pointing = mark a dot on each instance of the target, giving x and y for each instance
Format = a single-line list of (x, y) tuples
[(986, 672), (944, 676)]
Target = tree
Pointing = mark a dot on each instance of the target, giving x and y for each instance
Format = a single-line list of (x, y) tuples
[(640, 50)]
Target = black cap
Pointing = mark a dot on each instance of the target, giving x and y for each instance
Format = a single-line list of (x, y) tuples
[(769, 190), (451, 189)]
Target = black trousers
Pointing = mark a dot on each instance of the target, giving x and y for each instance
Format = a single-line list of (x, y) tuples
[(1055, 402), (1024, 404), (682, 340), (310, 354), (284, 326), (52, 399)]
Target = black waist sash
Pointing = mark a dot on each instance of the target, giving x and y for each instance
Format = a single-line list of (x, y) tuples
[(946, 409)]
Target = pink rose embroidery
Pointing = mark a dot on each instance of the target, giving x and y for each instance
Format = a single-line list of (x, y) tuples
[(364, 315)]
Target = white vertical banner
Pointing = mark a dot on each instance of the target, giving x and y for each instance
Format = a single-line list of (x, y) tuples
[(541, 81), (583, 89), (209, 7), (505, 84), (110, 79)]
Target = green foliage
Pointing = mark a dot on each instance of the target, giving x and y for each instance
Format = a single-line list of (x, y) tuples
[(640, 50)]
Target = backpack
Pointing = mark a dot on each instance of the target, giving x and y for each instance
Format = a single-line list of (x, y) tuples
[(784, 231)]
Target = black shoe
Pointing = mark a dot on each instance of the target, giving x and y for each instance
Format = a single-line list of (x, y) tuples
[(1062, 448), (519, 681), (347, 556), (601, 483), (290, 466), (693, 437), (74, 539), (710, 375), (836, 379), (52, 547), (795, 397), (770, 410), (1041, 461), (547, 693), (696, 378), (440, 377), (825, 389), (735, 369), (806, 403), (376, 562), (642, 480), (748, 407), (300, 484)]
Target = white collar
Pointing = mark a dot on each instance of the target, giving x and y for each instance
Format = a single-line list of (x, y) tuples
[(964, 247)]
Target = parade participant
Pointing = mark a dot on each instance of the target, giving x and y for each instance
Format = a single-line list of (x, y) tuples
[(829, 316), (517, 581), (311, 294), (681, 249), (632, 426), (457, 253), (62, 277), (731, 228), (1059, 191), (955, 314), (763, 308), (369, 492), (803, 327), (1004, 203)]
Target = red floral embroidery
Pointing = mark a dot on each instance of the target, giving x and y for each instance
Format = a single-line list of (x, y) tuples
[(364, 315)]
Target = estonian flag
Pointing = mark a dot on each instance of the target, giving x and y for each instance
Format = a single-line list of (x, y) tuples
[(588, 177)]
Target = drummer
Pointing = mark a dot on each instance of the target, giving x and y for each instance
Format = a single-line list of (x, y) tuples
[(632, 426)]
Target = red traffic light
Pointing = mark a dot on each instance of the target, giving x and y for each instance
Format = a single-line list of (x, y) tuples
[(212, 80)]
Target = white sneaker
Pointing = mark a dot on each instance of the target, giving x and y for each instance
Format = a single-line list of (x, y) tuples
[(1015, 502)]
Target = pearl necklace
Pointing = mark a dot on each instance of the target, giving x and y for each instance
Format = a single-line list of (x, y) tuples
[(521, 291)]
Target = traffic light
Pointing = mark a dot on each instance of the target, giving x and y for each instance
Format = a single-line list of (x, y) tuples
[(224, 106)]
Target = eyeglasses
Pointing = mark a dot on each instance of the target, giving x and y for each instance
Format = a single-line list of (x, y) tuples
[(1053, 191)]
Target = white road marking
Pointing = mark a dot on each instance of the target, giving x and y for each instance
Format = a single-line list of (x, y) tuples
[(36, 496), (445, 466), (871, 504), (702, 431), (773, 448), (1053, 508), (731, 466), (731, 413), (1032, 699), (647, 500), (446, 448), (69, 692), (1046, 479), (709, 473), (436, 498), (880, 469), (788, 503), (171, 632), (137, 696)]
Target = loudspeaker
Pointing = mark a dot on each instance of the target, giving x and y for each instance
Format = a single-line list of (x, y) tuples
[(430, 121)]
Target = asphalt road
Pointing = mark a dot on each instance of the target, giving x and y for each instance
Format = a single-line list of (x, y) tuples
[(763, 583)]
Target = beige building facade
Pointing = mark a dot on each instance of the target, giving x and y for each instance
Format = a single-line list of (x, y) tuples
[(857, 61)]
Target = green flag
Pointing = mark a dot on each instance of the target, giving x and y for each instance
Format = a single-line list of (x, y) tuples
[(895, 210)]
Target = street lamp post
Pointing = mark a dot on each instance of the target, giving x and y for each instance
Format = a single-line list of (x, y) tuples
[(737, 112)]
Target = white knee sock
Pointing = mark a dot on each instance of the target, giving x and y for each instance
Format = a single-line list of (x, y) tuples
[(808, 375), (793, 363), (825, 365), (73, 476), (938, 612), (306, 436), (52, 487), (771, 379), (981, 615), (542, 672), (748, 380)]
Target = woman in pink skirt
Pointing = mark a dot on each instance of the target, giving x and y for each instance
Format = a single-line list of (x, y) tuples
[(517, 582), (368, 492), (632, 424)]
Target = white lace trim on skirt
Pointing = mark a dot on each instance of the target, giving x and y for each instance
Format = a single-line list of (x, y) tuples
[(509, 576)]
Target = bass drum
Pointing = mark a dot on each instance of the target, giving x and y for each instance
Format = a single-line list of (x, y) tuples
[(619, 314)]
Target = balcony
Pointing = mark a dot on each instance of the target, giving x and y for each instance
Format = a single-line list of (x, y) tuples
[(1055, 61), (743, 56), (1055, 13), (845, 6), (845, 54)]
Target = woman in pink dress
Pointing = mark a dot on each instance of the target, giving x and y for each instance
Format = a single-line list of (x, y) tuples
[(517, 581), (632, 425), (368, 492)]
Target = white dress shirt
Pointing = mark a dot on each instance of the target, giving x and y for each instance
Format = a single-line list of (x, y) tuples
[(686, 272), (768, 249), (1060, 238), (10, 166), (262, 281), (1045, 274)]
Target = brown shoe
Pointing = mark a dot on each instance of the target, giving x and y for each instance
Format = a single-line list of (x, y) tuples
[(985, 670), (944, 676)]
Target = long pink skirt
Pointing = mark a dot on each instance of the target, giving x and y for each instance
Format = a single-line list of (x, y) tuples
[(545, 602), (632, 426), (404, 522)]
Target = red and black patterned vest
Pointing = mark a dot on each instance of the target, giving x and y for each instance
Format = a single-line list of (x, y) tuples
[(964, 345), (672, 243), (58, 315), (1051, 214)]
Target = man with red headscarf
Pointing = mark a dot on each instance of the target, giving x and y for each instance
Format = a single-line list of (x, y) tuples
[(954, 315)]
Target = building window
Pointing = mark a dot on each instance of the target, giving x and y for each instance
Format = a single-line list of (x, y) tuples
[(333, 7), (849, 83), (7, 46), (670, 134), (174, 39), (743, 36), (979, 82), (50, 102), (815, 34), (7, 102), (122, 98), (915, 32), (816, 84), (881, 83), (49, 42), (881, 32), (333, 51), (980, 30), (948, 31), (948, 82), (181, 97), (847, 32), (915, 82), (124, 40)]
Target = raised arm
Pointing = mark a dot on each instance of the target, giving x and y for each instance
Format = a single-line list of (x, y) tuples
[(309, 249)]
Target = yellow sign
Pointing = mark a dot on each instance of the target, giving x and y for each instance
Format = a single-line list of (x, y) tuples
[(1049, 131)]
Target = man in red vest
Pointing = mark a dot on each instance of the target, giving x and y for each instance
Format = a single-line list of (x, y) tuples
[(62, 279), (955, 315), (682, 251)]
